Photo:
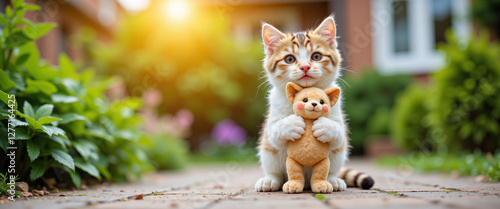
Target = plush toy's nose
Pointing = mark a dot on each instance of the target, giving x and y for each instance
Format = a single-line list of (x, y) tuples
[(314, 104)]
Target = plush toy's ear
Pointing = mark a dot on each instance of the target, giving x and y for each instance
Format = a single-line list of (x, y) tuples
[(333, 93), (291, 90), (328, 31), (271, 36)]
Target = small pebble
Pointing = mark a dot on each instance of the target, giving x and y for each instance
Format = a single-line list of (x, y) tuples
[(62, 195), (122, 190)]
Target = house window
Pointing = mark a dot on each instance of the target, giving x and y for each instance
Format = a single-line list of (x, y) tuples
[(406, 33), (441, 13), (400, 26)]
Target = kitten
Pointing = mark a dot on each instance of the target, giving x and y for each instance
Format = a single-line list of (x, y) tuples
[(308, 59)]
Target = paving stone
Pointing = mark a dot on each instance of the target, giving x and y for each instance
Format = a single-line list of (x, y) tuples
[(271, 204)]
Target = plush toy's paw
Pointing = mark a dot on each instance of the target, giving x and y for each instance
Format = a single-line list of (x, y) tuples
[(338, 184), (293, 127), (267, 184), (322, 187), (327, 130), (293, 187)]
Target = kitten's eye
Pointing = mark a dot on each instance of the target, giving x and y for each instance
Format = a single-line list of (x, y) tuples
[(305, 100), (289, 59), (321, 102), (316, 56)]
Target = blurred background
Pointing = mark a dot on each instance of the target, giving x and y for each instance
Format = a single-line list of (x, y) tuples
[(420, 78)]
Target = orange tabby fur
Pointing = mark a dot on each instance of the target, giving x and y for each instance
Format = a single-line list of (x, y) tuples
[(308, 151)]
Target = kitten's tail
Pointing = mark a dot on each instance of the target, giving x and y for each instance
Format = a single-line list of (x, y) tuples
[(355, 178)]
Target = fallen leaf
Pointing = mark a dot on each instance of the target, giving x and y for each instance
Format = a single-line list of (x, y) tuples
[(27, 194), (139, 197), (62, 195)]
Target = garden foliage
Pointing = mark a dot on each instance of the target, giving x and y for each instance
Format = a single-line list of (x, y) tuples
[(195, 62), (462, 112), (368, 99), (64, 125)]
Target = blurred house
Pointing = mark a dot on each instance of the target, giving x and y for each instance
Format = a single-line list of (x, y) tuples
[(394, 36), (71, 16)]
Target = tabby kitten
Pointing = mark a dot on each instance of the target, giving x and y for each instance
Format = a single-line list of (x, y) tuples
[(308, 59)]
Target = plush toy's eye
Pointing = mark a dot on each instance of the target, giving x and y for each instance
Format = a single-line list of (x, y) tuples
[(316, 56), (321, 102), (305, 100), (289, 59)]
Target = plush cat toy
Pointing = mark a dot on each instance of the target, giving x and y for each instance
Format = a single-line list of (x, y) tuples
[(309, 103)]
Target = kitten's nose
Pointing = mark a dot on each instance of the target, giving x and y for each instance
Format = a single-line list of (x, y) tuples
[(305, 68), (314, 104)]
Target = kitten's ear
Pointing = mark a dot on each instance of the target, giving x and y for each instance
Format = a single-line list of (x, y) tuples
[(271, 36), (328, 31), (333, 94), (291, 90)]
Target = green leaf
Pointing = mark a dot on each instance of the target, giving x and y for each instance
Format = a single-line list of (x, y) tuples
[(28, 109), (70, 117), (8, 97), (17, 38), (321, 197), (32, 123), (17, 4), (61, 140), (66, 68), (87, 167), (17, 123), (86, 149), (48, 119), (59, 98), (21, 134), (43, 28), (44, 111), (33, 150), (75, 177), (63, 158), (8, 12), (38, 168), (17, 79), (4, 142), (31, 7), (55, 131), (22, 59), (5, 82), (35, 86)]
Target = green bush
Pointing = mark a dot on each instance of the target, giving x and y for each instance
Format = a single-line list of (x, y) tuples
[(410, 127), (64, 126), (462, 112), (363, 98), (467, 109)]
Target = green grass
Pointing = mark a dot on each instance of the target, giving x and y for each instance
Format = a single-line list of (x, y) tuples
[(4, 179), (465, 164)]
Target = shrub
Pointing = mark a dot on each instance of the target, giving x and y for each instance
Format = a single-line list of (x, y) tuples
[(467, 109), (410, 127), (363, 97), (64, 125)]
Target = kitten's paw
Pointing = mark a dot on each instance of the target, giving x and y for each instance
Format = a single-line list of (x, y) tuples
[(293, 187), (327, 130), (292, 127), (338, 184), (322, 187), (267, 184)]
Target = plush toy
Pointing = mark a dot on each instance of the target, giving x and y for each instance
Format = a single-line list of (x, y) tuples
[(309, 103)]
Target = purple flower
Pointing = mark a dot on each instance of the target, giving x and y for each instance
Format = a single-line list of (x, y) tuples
[(227, 132)]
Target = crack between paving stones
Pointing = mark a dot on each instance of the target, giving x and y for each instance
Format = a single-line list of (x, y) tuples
[(228, 197), (132, 197)]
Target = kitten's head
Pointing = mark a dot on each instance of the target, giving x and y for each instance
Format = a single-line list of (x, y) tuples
[(306, 58)]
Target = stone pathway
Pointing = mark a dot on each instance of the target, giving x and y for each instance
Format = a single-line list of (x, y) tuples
[(230, 185)]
